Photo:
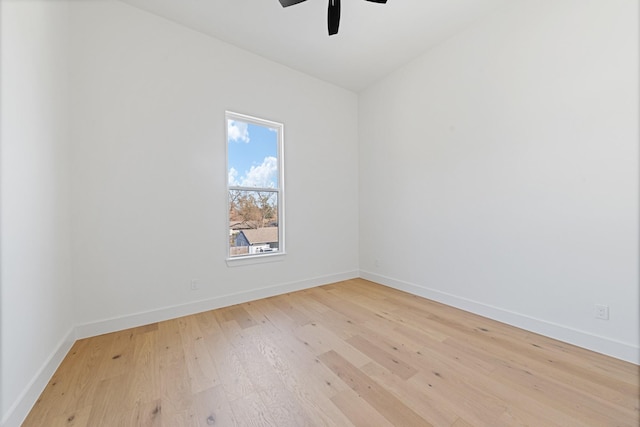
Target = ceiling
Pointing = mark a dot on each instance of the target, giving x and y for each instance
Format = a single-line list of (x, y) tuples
[(374, 39)]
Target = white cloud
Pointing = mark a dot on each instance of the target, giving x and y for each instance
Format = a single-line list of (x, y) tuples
[(264, 175), (238, 131), (233, 175)]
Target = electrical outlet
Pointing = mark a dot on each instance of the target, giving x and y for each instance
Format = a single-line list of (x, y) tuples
[(602, 311), (195, 285)]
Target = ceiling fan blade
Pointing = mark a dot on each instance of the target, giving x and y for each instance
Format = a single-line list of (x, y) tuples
[(333, 16), (286, 3), (378, 1)]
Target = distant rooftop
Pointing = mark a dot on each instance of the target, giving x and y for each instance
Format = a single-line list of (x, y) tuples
[(264, 235)]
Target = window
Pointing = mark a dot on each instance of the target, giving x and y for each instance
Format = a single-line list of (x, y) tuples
[(255, 184)]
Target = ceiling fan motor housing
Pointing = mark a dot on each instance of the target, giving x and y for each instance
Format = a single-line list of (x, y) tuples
[(333, 13)]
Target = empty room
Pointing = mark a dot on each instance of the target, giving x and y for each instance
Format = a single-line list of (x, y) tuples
[(319, 213)]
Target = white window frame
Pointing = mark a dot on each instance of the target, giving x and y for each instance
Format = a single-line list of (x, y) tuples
[(280, 193)]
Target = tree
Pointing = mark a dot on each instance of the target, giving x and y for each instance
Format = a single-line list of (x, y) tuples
[(253, 208), (266, 206)]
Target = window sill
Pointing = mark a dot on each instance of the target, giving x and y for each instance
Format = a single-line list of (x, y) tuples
[(255, 259)]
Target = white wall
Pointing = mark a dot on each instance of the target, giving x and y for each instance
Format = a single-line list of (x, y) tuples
[(149, 189), (35, 283), (499, 172)]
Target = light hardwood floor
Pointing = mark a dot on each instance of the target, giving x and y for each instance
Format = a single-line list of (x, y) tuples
[(350, 353)]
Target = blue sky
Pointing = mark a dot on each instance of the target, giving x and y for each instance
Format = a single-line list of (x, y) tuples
[(253, 152)]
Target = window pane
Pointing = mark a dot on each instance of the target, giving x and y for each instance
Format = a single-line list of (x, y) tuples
[(253, 155), (253, 222)]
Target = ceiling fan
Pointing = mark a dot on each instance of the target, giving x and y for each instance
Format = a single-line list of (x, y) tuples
[(333, 15)]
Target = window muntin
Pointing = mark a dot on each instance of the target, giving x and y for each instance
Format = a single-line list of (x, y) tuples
[(255, 186)]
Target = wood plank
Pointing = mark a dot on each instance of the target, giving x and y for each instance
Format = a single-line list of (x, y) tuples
[(284, 409), (359, 412), (429, 405), (110, 400), (384, 402), (584, 408), (78, 418), (143, 414), (203, 374), (211, 408), (232, 375), (251, 411), (393, 363), (143, 378)]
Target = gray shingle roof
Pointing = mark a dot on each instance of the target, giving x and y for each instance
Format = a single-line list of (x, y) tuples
[(259, 236)]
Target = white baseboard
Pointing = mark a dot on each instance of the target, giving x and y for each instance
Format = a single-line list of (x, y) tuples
[(138, 319), (19, 410), (583, 339)]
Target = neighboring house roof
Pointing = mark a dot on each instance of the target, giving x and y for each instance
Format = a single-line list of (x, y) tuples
[(261, 235), (242, 225)]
